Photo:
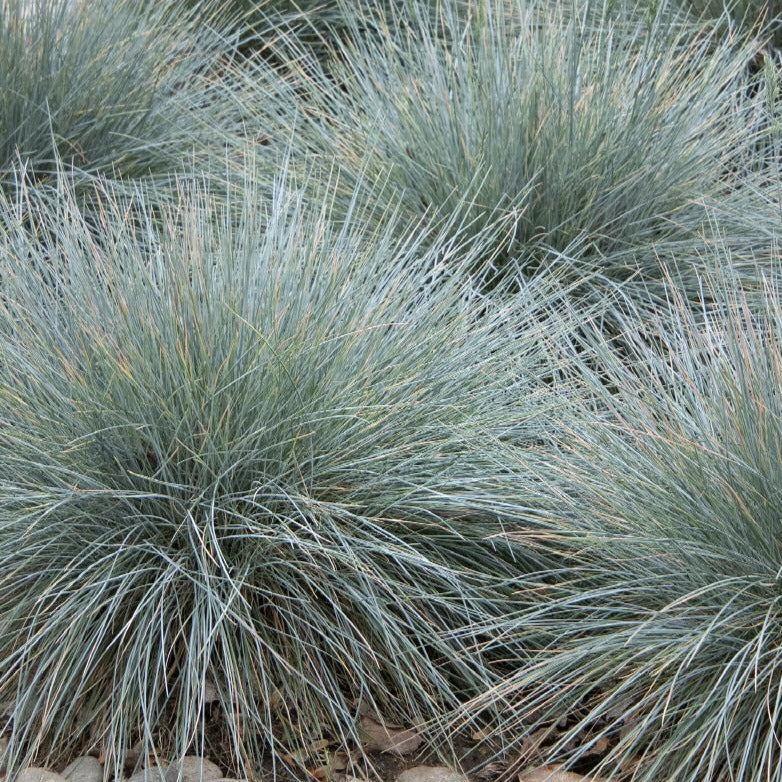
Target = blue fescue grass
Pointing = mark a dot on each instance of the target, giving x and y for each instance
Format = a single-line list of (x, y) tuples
[(243, 444), (596, 139), (123, 89), (662, 636), (762, 15), (295, 397)]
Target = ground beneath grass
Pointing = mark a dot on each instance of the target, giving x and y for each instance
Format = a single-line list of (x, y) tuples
[(387, 754)]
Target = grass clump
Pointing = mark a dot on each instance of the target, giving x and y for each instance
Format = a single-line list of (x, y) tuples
[(284, 294), (242, 444), (113, 87), (663, 638), (594, 140)]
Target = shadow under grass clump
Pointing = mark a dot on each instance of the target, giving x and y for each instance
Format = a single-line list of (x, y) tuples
[(243, 445), (763, 15)]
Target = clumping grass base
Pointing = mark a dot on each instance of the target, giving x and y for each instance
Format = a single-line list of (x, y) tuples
[(409, 358)]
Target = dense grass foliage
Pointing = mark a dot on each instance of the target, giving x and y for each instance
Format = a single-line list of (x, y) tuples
[(664, 635), (250, 447), (414, 358), (317, 26), (109, 86), (596, 140)]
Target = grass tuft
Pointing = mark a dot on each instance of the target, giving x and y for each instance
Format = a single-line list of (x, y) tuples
[(597, 140), (663, 637), (119, 88), (244, 445)]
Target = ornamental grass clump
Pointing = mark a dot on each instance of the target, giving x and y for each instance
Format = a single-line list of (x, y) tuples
[(243, 446), (114, 87), (663, 654), (598, 139)]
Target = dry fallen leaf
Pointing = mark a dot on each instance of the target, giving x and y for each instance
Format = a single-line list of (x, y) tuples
[(555, 774), (431, 774), (302, 754), (275, 700), (385, 739), (491, 770), (297, 757), (598, 748), (532, 743), (210, 692), (338, 761)]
